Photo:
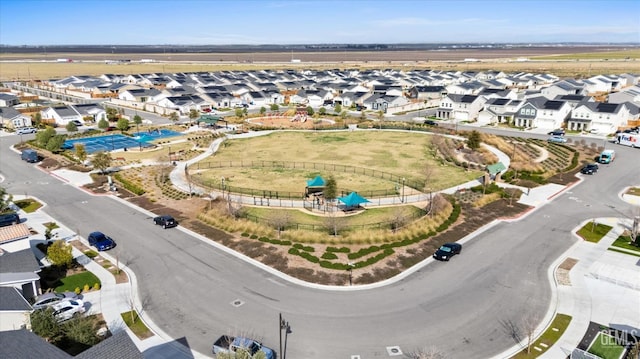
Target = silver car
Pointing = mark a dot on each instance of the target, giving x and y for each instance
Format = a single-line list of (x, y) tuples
[(49, 299)]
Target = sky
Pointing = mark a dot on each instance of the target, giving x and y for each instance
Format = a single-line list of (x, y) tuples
[(256, 22)]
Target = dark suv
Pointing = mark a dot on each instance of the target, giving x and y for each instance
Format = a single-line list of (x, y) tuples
[(558, 132), (589, 169), (101, 241), (165, 221), (7, 219)]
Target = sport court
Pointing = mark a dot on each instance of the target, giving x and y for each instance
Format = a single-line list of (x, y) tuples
[(117, 141)]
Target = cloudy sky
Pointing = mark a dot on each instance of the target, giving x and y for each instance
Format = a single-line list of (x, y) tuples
[(222, 22)]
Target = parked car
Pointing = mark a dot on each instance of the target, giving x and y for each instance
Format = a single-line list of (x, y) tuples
[(557, 132), (29, 155), (66, 309), (557, 139), (165, 221), (101, 241), (589, 169), (51, 298), (77, 123), (447, 250), (9, 218), (430, 123), (25, 130)]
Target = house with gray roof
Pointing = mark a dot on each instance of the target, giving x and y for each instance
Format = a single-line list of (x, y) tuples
[(12, 118), (540, 112), (20, 270), (14, 309), (498, 110), (460, 107), (8, 99), (598, 116), (60, 115)]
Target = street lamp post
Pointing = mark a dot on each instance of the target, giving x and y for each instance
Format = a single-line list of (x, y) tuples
[(403, 180), (284, 325)]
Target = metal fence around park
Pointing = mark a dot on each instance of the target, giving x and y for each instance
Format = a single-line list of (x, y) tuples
[(222, 185)]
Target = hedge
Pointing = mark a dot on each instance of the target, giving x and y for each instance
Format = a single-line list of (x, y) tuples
[(129, 186)]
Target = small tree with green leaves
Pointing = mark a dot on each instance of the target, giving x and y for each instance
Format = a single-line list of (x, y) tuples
[(263, 110), (82, 330), (112, 113), (322, 111), (37, 120), (45, 325), (101, 160), (310, 111), (330, 189), (55, 143), (474, 140), (43, 137), (103, 124), (174, 117), (137, 120), (337, 108), (274, 107), (193, 114), (239, 113), (71, 127), (122, 124), (59, 254)]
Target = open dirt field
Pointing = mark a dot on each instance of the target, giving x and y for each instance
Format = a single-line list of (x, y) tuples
[(571, 61)]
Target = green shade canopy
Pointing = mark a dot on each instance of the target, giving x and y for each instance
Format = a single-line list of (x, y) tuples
[(352, 199), (316, 182), (209, 119), (496, 168)]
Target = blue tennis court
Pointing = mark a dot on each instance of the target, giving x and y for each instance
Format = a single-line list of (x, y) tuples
[(117, 141)]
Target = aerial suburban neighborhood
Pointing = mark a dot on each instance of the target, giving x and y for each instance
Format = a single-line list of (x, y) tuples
[(320, 180)]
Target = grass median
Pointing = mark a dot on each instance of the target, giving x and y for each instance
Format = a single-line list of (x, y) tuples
[(593, 232), (133, 321)]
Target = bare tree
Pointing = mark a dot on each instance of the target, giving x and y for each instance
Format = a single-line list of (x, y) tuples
[(427, 172), (397, 218), (334, 223), (280, 220), (427, 353), (439, 203), (529, 325)]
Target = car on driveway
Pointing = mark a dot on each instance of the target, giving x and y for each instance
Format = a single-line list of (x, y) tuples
[(557, 139), (101, 241), (165, 221), (589, 169), (51, 298), (447, 250), (66, 309), (430, 123), (77, 123), (25, 130)]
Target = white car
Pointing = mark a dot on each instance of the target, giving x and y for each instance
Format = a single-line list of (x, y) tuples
[(49, 299), (66, 309), (25, 130)]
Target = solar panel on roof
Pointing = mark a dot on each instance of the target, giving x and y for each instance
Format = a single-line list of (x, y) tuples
[(500, 101), (607, 107), (553, 105)]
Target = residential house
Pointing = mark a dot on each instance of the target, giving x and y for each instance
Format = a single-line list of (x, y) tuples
[(60, 115), (14, 310), (460, 107), (598, 116), (565, 87), (12, 118), (91, 112), (499, 110), (184, 104), (630, 94), (427, 93), (20, 270), (539, 112), (139, 95), (8, 100)]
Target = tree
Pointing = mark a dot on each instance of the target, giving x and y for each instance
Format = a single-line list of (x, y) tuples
[(43, 137), (45, 325), (82, 330), (280, 220), (193, 114), (263, 110), (71, 127), (330, 189), (112, 113), (474, 140), (59, 254), (55, 143), (173, 116), (122, 124), (81, 152), (239, 113), (397, 218), (5, 200), (36, 119), (102, 161), (103, 124), (274, 107), (322, 111), (137, 120), (310, 111), (337, 108)]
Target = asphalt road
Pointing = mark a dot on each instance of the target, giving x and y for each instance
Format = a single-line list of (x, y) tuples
[(467, 307)]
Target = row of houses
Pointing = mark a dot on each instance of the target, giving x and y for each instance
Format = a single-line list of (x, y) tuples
[(523, 99)]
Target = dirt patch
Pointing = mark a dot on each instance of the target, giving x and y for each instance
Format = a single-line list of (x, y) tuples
[(563, 271)]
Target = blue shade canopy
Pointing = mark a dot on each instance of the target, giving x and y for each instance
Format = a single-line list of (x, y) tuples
[(316, 182), (353, 199)]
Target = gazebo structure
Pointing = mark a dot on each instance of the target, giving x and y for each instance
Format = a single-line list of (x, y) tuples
[(352, 201), (211, 120)]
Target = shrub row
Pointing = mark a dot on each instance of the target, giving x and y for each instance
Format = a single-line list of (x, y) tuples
[(128, 185), (303, 248), (452, 218), (338, 250), (275, 241), (306, 255), (329, 255)]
